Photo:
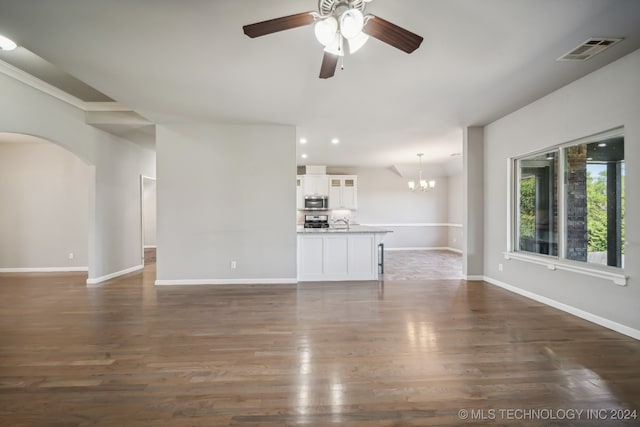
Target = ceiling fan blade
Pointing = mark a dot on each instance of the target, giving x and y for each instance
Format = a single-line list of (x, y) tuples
[(329, 64), (278, 24), (391, 34)]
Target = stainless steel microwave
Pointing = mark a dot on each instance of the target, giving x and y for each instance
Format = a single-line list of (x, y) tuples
[(316, 203)]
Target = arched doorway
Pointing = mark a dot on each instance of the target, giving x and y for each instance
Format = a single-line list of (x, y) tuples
[(45, 198)]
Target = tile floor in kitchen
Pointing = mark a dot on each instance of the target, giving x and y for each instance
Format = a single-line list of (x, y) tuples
[(422, 265)]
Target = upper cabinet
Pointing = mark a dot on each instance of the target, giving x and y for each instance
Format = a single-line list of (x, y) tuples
[(343, 192), (315, 185), (299, 193)]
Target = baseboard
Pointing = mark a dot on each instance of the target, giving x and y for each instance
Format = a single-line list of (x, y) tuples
[(101, 279), (432, 248), (609, 324), (472, 278), (415, 224), (226, 282), (149, 246), (44, 270)]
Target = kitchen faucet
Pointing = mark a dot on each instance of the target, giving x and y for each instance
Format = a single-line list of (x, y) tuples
[(344, 220)]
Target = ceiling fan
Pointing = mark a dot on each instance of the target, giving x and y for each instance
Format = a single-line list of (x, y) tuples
[(337, 22)]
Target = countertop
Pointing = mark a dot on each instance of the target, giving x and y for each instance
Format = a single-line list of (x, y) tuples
[(354, 228)]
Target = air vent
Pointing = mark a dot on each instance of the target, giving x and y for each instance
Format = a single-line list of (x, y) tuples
[(588, 49)]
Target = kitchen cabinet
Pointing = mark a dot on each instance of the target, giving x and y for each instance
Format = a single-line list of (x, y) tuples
[(326, 255), (299, 192), (343, 192), (316, 185)]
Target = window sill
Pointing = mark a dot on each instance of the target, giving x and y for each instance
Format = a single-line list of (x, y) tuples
[(556, 264)]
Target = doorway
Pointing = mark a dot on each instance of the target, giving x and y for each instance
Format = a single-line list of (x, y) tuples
[(45, 193), (148, 203)]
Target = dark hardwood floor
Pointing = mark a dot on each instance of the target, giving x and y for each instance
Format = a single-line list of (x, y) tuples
[(128, 353)]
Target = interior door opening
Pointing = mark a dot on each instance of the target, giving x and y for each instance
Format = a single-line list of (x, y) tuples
[(148, 200)]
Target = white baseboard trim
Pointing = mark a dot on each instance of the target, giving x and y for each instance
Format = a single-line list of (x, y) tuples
[(609, 324), (415, 224), (44, 270), (472, 278), (433, 248), (149, 246), (104, 278), (189, 282)]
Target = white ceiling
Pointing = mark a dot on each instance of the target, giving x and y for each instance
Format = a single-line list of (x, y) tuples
[(189, 60)]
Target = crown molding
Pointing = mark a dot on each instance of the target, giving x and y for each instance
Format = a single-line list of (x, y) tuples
[(34, 82)]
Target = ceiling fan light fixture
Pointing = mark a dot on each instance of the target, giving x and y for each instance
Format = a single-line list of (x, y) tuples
[(326, 30), (356, 43), (335, 47), (351, 23), (337, 21), (7, 44)]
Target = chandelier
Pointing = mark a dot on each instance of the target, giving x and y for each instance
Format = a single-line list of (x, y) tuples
[(423, 184)]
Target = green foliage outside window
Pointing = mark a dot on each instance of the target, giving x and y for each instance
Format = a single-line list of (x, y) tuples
[(597, 212), (528, 207)]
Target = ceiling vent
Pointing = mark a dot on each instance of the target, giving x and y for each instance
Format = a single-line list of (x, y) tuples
[(589, 48)]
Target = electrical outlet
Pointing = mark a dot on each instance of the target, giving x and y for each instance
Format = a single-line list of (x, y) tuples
[(71, 255), (233, 265), (500, 267)]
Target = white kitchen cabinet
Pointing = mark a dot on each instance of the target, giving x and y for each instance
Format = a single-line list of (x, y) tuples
[(315, 185), (337, 257), (311, 257), (326, 255), (299, 193), (343, 192)]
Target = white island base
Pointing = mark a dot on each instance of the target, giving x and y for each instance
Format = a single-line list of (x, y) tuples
[(339, 254)]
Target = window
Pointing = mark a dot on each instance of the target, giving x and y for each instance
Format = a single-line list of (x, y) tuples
[(538, 206), (569, 201)]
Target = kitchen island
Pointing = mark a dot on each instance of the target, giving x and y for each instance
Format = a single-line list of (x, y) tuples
[(339, 253)]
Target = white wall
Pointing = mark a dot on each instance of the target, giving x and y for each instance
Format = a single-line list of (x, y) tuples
[(384, 198), (226, 193), (149, 214), (114, 202), (605, 99), (44, 207), (118, 214), (474, 203), (455, 211)]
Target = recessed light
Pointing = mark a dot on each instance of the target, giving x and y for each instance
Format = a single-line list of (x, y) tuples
[(335, 141), (602, 144), (304, 156), (550, 157), (7, 44), (303, 140)]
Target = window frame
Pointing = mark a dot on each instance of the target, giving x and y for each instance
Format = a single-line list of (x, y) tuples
[(554, 262)]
